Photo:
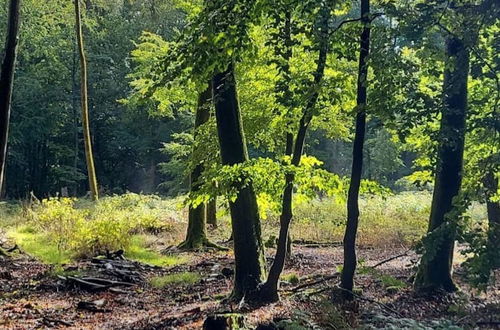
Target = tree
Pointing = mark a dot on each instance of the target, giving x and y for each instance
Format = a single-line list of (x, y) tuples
[(269, 291), (435, 269), (7, 82), (350, 260), (85, 108), (247, 240), (198, 214)]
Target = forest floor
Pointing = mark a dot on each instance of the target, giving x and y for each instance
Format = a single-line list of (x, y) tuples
[(33, 295)]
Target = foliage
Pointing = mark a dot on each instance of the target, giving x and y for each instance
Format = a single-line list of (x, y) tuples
[(108, 225)]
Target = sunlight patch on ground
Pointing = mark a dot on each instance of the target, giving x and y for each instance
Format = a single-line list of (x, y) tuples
[(185, 278)]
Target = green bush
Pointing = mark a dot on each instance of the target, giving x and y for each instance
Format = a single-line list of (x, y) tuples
[(86, 229)]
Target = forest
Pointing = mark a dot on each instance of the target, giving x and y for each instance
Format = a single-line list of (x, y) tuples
[(250, 164)]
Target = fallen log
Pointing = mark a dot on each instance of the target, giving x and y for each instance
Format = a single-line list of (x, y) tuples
[(103, 281), (86, 285)]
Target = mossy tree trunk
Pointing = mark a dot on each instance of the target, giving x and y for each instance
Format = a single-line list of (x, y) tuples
[(246, 228), (7, 82), (85, 107), (435, 270), (269, 291), (350, 259), (196, 236)]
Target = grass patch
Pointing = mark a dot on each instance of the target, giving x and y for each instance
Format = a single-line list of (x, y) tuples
[(387, 281), (39, 246), (291, 278), (185, 278), (138, 251)]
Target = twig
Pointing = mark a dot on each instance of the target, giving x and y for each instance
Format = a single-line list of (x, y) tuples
[(372, 17), (306, 285), (391, 259)]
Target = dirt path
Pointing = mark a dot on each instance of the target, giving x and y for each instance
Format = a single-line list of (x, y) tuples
[(31, 297)]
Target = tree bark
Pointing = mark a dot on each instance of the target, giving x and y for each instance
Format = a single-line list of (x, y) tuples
[(7, 82), (493, 210), (247, 240), (269, 291), (85, 108), (212, 212), (196, 237), (350, 259), (435, 272)]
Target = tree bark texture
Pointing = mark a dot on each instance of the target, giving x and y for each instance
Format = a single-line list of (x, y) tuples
[(196, 236), (7, 83), (85, 107), (350, 258), (247, 240), (435, 273)]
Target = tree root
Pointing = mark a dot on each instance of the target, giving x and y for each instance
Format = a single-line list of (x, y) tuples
[(200, 245)]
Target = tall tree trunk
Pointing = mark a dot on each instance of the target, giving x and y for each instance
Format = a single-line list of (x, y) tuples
[(350, 260), (247, 240), (74, 101), (269, 291), (7, 83), (212, 212), (85, 108), (493, 209), (435, 271), (196, 237)]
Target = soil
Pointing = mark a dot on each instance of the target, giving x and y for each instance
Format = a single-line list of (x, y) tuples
[(32, 297)]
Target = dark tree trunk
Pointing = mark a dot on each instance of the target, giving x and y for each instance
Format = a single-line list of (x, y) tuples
[(7, 82), (212, 212), (269, 291), (435, 272), (247, 240), (289, 152), (196, 237), (493, 209), (350, 260)]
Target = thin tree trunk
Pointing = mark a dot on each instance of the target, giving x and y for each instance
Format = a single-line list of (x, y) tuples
[(269, 291), (74, 101), (85, 108), (435, 271), (493, 209), (289, 152), (212, 212), (247, 240), (7, 83), (196, 237), (350, 260)]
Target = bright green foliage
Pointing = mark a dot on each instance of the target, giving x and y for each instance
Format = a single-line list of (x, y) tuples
[(108, 225)]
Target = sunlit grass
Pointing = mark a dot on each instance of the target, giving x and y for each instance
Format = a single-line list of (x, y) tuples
[(186, 278), (290, 278), (140, 252), (38, 246)]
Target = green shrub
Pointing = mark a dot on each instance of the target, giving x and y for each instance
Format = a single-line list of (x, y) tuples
[(86, 229)]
